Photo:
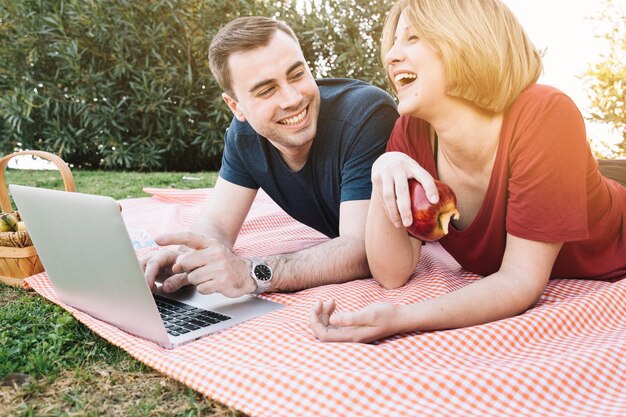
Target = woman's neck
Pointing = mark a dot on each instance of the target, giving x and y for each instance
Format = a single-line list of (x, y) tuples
[(468, 138)]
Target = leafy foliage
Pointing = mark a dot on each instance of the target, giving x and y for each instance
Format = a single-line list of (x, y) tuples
[(341, 38), (606, 80), (125, 84)]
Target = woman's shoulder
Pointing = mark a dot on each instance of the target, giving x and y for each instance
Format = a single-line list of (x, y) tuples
[(539, 96)]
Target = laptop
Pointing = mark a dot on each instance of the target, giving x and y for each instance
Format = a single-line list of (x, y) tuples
[(87, 253)]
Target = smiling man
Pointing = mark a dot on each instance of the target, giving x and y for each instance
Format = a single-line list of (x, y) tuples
[(309, 144)]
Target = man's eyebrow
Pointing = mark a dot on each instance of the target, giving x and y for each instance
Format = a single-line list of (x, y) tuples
[(269, 81)]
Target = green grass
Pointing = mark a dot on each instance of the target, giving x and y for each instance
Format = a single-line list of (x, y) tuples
[(52, 365), (118, 185)]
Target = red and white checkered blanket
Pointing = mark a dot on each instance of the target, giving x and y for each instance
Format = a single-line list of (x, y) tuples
[(564, 357)]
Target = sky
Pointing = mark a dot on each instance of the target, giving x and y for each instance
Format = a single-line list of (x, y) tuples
[(564, 28)]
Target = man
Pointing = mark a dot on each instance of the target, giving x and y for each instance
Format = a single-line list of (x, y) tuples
[(309, 144)]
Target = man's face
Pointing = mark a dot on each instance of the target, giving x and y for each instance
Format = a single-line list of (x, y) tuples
[(276, 93)]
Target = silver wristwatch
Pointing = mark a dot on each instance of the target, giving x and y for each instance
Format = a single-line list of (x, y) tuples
[(262, 274)]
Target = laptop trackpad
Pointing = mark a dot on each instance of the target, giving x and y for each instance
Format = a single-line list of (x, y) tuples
[(233, 307)]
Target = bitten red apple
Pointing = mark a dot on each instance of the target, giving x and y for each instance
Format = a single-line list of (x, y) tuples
[(430, 221)]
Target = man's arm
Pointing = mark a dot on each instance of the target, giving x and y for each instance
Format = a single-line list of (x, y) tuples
[(338, 260), (221, 223), (213, 267), (225, 214)]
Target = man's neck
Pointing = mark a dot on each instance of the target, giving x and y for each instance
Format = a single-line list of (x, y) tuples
[(295, 157)]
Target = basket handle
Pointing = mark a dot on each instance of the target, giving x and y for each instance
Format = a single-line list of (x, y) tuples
[(66, 174)]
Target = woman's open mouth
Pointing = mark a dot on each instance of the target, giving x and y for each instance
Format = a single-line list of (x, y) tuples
[(404, 78)]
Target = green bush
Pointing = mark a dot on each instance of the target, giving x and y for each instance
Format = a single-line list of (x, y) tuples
[(125, 84), (341, 38), (605, 79)]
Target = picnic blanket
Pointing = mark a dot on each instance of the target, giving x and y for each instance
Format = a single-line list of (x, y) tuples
[(564, 357)]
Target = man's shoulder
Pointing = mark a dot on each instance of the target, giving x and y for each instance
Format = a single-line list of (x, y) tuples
[(348, 97), (238, 129), (337, 88)]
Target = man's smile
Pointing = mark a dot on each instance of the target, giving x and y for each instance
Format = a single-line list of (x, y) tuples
[(294, 120)]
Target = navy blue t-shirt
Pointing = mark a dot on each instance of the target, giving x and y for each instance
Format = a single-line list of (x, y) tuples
[(354, 124)]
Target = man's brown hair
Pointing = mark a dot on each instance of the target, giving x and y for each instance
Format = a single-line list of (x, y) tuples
[(242, 34)]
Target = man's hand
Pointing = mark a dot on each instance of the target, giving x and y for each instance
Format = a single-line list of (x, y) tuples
[(209, 265), (158, 265), (374, 322)]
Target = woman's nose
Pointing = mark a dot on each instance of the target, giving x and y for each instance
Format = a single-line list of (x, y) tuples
[(393, 55)]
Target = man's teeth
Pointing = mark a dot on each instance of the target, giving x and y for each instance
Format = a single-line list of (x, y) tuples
[(295, 119), (404, 78)]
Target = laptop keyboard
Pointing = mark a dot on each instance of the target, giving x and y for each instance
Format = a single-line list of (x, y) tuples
[(182, 318)]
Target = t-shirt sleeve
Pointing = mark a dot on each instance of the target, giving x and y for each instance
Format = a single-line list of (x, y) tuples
[(370, 141), (411, 136), (233, 168), (547, 172), (398, 138)]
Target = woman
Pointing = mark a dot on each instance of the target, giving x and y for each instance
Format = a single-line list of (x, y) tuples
[(532, 202)]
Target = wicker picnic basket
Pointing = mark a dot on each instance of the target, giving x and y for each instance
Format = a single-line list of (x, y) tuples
[(18, 257)]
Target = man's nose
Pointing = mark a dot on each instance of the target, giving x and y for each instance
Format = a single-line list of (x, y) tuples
[(291, 97)]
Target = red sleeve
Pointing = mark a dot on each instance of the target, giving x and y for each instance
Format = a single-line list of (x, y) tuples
[(399, 136), (547, 168), (411, 136)]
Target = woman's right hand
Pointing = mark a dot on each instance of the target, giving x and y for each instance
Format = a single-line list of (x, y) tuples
[(390, 175)]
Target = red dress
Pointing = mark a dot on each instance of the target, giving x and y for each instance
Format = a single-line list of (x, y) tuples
[(545, 186)]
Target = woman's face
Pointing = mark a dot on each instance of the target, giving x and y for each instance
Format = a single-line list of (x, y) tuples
[(417, 72)]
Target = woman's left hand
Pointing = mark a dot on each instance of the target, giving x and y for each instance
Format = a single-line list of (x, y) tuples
[(374, 322)]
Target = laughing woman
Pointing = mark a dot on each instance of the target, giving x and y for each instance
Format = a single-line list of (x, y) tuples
[(532, 202)]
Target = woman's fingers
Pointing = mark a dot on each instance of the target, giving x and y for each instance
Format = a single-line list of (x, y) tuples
[(389, 199)]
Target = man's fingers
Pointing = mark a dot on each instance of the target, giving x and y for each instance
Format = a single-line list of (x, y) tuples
[(143, 261), (177, 268), (190, 261), (175, 282), (150, 273), (189, 239), (152, 265)]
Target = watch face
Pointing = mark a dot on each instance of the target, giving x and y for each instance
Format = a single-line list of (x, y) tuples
[(262, 272)]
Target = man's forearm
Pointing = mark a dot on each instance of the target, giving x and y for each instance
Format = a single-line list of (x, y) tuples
[(339, 260), (207, 227)]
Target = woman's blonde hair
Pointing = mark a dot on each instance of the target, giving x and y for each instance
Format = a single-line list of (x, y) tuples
[(487, 56)]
